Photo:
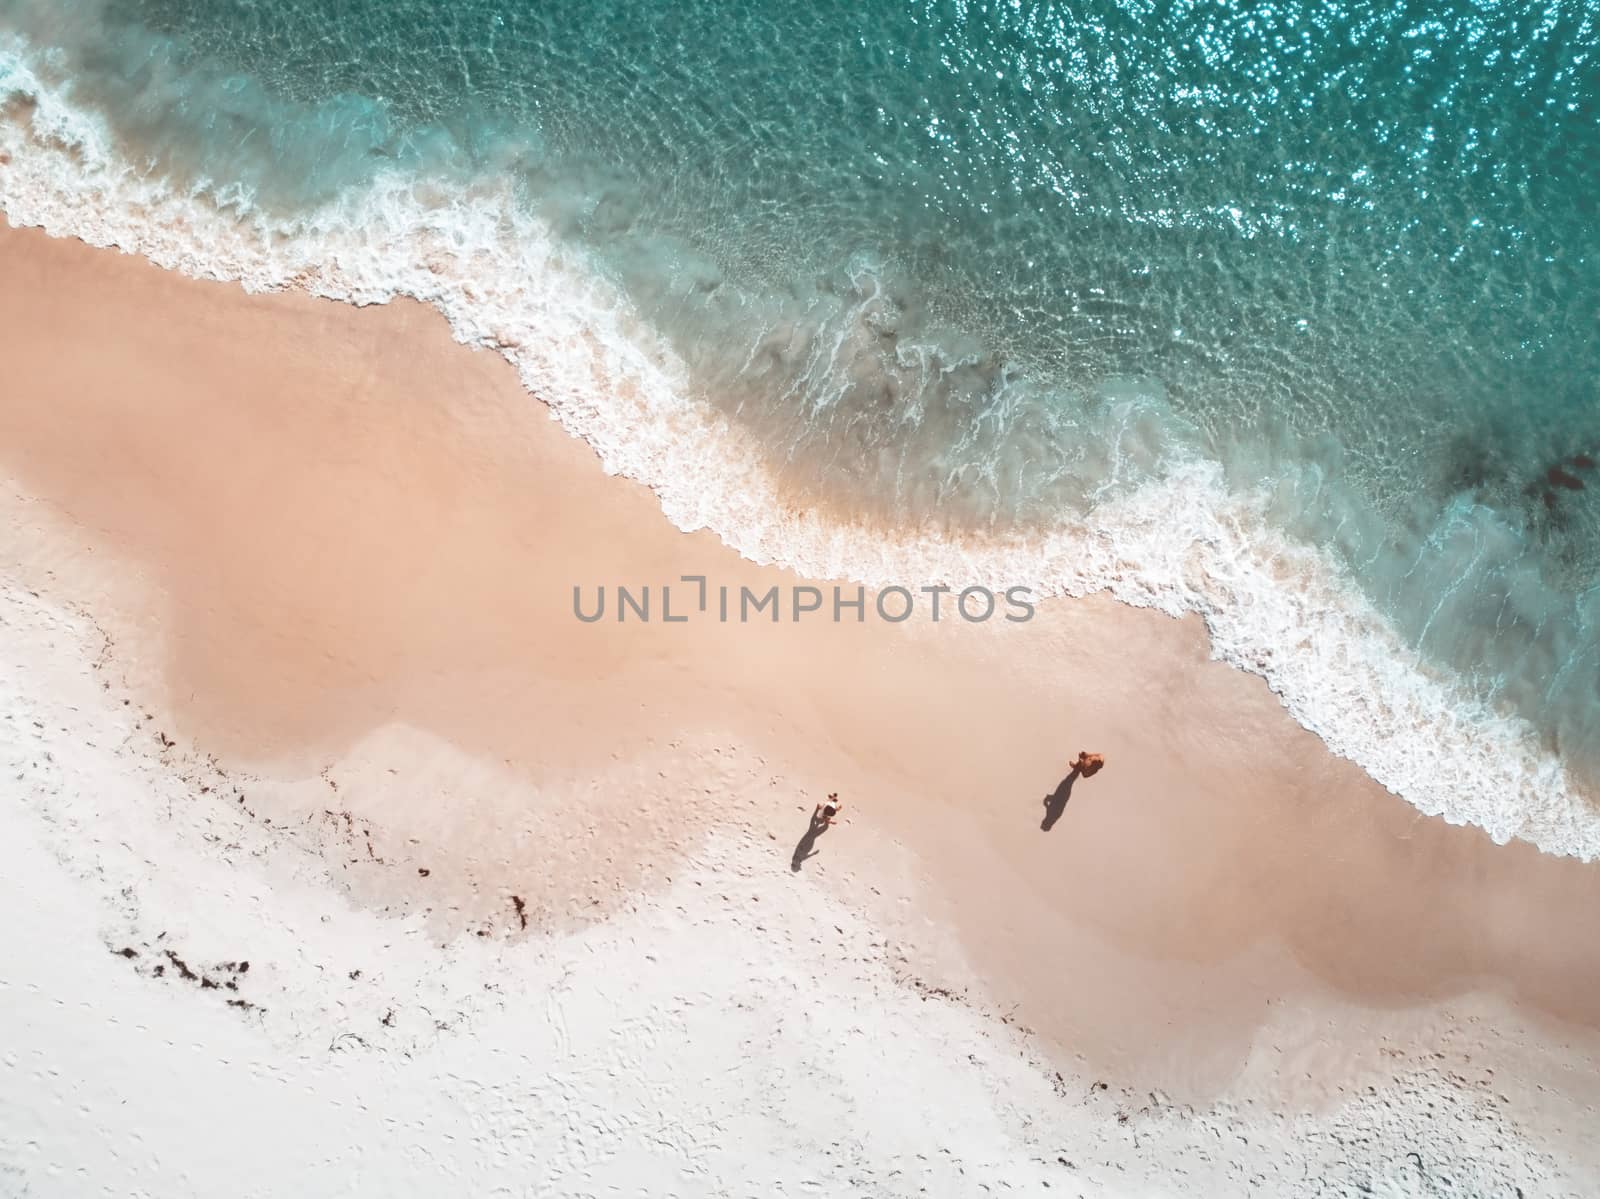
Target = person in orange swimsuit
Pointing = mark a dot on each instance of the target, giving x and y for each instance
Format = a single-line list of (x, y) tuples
[(1088, 764)]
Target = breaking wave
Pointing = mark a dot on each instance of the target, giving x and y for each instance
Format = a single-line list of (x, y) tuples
[(1166, 528)]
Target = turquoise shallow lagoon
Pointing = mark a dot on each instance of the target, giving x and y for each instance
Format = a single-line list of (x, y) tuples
[(996, 274)]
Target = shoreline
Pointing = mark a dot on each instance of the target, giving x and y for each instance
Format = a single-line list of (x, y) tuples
[(616, 385), (328, 543)]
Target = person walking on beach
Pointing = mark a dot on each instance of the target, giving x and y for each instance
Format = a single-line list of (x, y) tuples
[(1055, 804), (822, 818), (1088, 764)]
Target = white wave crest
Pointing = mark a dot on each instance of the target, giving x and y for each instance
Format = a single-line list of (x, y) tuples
[(1182, 544)]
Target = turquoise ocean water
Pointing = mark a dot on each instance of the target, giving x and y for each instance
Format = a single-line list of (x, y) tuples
[(1285, 312)]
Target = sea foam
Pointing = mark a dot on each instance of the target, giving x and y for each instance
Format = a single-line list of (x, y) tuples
[(1183, 543)]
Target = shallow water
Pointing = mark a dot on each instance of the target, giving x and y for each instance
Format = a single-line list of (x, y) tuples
[(997, 270)]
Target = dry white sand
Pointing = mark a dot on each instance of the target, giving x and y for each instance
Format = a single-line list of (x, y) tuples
[(191, 1008)]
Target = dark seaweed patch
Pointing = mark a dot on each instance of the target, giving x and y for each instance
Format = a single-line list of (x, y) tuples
[(1556, 476)]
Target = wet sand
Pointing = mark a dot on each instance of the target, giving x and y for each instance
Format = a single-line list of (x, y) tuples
[(304, 524)]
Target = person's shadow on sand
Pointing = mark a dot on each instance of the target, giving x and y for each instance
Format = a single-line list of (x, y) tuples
[(1056, 802), (808, 843)]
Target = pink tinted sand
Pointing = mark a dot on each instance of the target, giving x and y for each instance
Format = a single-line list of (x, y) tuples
[(306, 522)]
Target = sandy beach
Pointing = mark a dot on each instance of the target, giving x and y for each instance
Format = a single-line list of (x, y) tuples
[(321, 563)]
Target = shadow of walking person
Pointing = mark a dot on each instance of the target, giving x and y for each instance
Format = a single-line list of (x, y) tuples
[(1056, 802), (808, 843)]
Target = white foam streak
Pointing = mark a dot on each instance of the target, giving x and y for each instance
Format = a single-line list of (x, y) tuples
[(1183, 544)]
